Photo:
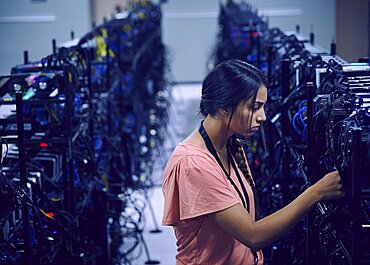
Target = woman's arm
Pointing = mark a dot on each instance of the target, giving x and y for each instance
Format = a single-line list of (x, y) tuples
[(256, 235)]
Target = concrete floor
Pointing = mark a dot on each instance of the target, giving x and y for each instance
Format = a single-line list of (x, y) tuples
[(184, 118)]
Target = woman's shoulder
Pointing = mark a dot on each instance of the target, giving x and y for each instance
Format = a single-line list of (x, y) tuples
[(190, 148), (195, 139), (193, 144)]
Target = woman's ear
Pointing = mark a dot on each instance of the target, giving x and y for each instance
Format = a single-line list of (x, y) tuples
[(224, 112)]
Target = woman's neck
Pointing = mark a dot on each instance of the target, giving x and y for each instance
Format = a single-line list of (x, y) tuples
[(217, 131)]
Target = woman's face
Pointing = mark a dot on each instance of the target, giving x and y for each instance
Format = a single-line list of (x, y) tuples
[(241, 122)]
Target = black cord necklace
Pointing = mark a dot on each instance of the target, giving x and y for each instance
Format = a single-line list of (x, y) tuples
[(212, 150)]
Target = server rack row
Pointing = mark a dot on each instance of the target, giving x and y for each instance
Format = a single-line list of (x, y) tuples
[(83, 131), (317, 121)]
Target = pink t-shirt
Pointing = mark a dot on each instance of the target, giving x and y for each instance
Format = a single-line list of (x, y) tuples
[(194, 185)]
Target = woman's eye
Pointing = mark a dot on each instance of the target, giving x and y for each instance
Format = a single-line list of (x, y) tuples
[(256, 107)]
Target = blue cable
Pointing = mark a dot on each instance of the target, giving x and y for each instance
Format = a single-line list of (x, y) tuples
[(296, 129), (299, 121), (301, 104)]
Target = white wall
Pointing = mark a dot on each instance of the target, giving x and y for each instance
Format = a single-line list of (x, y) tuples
[(105, 9), (51, 19), (189, 31), (190, 28)]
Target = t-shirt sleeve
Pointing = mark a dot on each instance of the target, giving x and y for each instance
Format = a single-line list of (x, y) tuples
[(196, 187)]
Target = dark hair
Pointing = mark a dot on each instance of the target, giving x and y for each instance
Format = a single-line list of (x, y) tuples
[(237, 152), (226, 86)]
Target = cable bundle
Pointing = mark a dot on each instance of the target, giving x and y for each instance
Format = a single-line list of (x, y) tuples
[(95, 117), (317, 111)]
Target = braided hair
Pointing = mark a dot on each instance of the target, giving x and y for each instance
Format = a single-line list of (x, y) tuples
[(237, 152)]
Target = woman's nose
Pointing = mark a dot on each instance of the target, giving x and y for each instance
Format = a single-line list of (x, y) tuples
[(261, 117)]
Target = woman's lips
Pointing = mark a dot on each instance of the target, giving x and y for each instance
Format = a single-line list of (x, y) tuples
[(255, 129)]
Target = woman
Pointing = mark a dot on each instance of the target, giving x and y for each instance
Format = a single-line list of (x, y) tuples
[(207, 185)]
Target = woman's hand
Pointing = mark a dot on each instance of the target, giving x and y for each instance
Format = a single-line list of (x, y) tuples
[(329, 187)]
